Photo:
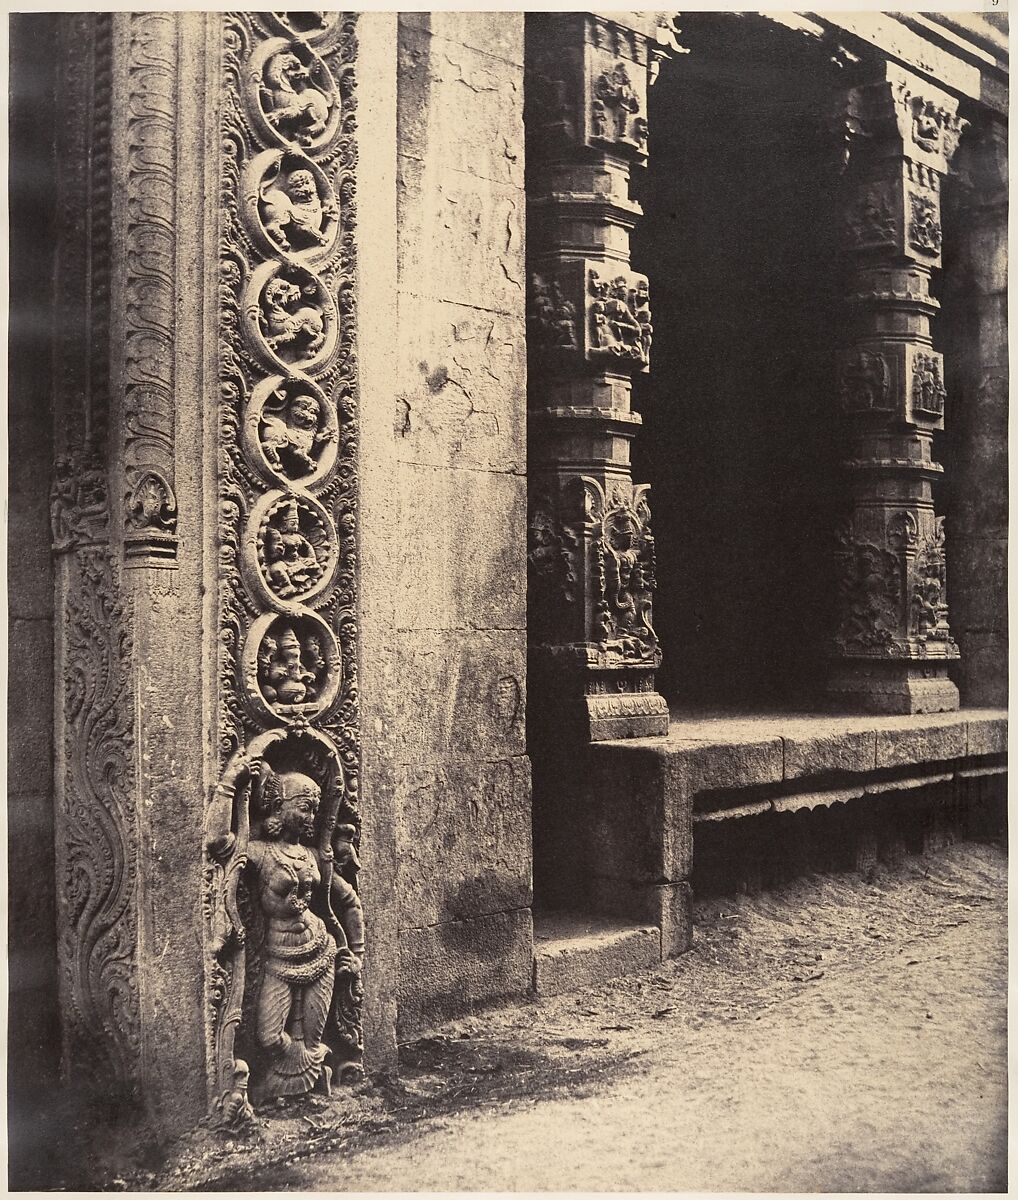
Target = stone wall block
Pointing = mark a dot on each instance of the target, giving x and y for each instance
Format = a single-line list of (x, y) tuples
[(464, 840), (459, 566), (499, 34), (465, 243), (463, 387), (447, 969), (920, 744), (987, 736), (835, 751), (456, 696)]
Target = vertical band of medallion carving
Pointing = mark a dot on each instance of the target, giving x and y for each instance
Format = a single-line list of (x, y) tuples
[(95, 824), (150, 231), (284, 928)]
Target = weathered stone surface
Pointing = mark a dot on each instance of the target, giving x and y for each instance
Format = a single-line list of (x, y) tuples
[(449, 968), (455, 569), (30, 696), (463, 386), (456, 696), (987, 735), (473, 818), (730, 765), (573, 952), (491, 33), (920, 743), (838, 750)]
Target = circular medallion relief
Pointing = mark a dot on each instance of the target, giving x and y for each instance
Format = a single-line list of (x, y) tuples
[(314, 27), (291, 431), (290, 205), (291, 547), (292, 665), (290, 316), (292, 95)]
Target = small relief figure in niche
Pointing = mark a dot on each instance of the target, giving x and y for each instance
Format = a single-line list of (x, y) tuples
[(563, 318), (294, 434), (615, 90), (285, 678), (599, 335), (869, 588), (293, 105), (925, 124), (928, 393), (628, 583), (298, 953), (624, 325), (293, 211), (78, 499), (293, 329), (349, 994), (924, 227), (641, 309), (236, 1113), (641, 131), (599, 118), (292, 566), (865, 382)]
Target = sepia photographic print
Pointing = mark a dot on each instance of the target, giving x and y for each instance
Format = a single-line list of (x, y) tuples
[(394, 803)]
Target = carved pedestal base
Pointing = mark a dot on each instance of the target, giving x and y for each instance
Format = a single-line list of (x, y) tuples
[(893, 687), (595, 703)]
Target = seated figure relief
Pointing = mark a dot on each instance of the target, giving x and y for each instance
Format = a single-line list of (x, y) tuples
[(293, 558), (292, 666)]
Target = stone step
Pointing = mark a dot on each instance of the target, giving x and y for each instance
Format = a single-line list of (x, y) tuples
[(576, 950)]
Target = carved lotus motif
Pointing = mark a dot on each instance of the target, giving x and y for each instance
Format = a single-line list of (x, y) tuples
[(291, 431), (290, 316), (290, 205), (292, 665), (293, 543), (292, 94)]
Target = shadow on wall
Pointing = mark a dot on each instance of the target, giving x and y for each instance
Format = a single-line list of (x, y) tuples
[(741, 426)]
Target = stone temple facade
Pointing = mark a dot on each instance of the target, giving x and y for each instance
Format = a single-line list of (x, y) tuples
[(350, 684)]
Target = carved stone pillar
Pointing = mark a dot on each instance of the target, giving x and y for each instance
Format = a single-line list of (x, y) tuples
[(594, 650), (893, 646)]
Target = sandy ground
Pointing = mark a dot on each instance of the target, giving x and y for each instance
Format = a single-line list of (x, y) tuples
[(885, 1072), (839, 1033)]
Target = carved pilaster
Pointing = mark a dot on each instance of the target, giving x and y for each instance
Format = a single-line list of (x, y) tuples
[(892, 644), (590, 329), (288, 729), (95, 818)]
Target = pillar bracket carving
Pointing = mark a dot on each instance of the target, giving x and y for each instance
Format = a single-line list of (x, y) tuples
[(892, 643), (590, 330)]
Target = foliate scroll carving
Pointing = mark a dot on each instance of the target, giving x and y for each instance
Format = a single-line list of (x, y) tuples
[(97, 838), (149, 316), (284, 932)]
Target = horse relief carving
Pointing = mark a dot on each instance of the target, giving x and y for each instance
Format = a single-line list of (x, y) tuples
[(296, 94)]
